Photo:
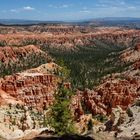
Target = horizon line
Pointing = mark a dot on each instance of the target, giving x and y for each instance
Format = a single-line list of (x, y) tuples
[(63, 20)]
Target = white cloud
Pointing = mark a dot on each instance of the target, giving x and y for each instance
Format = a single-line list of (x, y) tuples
[(53, 6), (13, 10), (122, 3), (112, 2), (28, 8), (64, 6), (131, 7), (85, 11), (60, 6), (101, 5), (85, 8)]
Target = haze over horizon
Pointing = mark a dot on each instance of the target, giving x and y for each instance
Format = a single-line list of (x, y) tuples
[(68, 9)]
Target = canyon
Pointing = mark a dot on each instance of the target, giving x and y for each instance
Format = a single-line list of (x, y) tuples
[(31, 74)]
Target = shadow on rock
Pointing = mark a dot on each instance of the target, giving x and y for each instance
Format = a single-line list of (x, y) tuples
[(64, 137)]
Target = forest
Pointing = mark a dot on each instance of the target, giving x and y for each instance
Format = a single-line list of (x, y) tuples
[(89, 64)]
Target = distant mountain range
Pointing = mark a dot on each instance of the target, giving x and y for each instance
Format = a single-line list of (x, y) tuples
[(108, 21), (24, 21)]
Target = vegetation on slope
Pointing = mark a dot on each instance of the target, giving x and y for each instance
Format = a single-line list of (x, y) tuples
[(30, 61), (89, 64)]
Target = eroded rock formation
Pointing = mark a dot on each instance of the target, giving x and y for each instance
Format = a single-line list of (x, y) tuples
[(13, 54), (34, 89), (111, 94), (69, 37)]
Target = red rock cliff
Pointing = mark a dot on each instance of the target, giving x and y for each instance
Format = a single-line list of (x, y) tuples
[(33, 89)]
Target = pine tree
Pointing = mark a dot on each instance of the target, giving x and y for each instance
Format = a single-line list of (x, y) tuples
[(61, 117)]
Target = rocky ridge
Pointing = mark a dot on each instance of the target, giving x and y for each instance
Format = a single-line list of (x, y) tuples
[(114, 36)]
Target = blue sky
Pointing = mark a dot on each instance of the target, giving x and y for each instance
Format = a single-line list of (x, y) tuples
[(68, 9)]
